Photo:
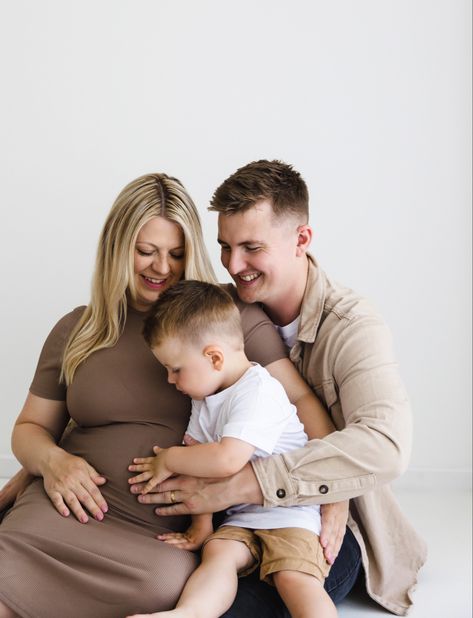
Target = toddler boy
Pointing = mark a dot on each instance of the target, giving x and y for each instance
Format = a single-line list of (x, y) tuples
[(238, 412)]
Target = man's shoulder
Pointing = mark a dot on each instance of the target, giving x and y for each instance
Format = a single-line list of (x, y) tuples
[(330, 305), (345, 303)]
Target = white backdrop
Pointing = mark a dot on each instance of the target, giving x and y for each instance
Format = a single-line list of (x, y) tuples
[(370, 100)]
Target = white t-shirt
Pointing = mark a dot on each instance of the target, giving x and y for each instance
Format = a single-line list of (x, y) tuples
[(289, 332), (256, 410)]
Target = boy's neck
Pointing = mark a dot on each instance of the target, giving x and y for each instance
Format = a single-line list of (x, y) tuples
[(235, 367)]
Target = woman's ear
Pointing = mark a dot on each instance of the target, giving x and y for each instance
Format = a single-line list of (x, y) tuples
[(304, 238), (215, 355)]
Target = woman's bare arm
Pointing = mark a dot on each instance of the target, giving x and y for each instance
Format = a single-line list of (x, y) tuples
[(311, 412), (70, 482)]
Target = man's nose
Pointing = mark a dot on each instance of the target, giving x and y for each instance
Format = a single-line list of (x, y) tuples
[(235, 263)]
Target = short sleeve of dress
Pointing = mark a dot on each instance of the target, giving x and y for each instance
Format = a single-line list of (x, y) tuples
[(263, 345), (46, 382)]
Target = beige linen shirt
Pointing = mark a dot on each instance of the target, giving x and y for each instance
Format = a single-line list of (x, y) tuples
[(344, 351)]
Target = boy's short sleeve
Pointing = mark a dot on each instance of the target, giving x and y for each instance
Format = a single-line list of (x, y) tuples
[(258, 412), (193, 428), (263, 345), (46, 382)]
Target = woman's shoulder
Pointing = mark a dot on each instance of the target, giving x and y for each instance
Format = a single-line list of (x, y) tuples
[(262, 342), (249, 312), (64, 325), (72, 317)]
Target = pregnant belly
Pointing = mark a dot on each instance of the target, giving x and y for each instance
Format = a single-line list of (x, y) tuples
[(110, 449)]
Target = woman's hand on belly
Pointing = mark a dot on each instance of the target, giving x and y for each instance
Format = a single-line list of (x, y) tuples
[(72, 485)]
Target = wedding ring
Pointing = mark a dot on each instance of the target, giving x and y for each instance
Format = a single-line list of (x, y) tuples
[(172, 497)]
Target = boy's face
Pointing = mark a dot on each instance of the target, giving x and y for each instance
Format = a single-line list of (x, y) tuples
[(189, 368)]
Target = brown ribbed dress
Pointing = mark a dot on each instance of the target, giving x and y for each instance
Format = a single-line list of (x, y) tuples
[(53, 566)]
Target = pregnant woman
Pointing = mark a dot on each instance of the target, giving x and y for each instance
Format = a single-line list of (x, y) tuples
[(77, 542)]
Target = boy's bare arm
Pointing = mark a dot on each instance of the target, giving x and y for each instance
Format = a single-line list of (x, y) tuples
[(217, 459)]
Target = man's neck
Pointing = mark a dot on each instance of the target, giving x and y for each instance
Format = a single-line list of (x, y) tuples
[(284, 309)]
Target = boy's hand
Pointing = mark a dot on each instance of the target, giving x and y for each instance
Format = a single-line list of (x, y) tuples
[(193, 538), (153, 469)]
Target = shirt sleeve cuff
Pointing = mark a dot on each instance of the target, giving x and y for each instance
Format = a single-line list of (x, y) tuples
[(274, 481)]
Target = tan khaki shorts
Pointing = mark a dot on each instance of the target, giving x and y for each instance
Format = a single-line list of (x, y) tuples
[(280, 549)]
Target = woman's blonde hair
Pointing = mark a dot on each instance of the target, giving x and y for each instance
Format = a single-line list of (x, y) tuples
[(104, 318)]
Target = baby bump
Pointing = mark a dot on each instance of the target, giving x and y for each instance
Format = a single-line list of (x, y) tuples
[(110, 449)]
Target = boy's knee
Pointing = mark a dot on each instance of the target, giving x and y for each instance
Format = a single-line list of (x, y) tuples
[(214, 547), (282, 578), (288, 579), (228, 551)]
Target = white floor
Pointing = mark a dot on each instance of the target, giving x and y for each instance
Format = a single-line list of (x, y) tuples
[(444, 587), (444, 590)]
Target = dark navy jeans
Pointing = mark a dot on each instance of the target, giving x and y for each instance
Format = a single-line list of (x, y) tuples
[(256, 599)]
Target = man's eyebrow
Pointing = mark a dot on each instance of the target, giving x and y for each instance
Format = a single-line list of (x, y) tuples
[(249, 241)]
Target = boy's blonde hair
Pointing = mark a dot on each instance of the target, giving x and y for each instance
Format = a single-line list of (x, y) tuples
[(192, 311)]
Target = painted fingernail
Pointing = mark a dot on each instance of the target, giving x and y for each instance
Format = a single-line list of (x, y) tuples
[(84, 519), (99, 516)]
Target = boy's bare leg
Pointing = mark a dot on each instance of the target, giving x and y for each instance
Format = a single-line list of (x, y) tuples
[(304, 595), (6, 612), (212, 587)]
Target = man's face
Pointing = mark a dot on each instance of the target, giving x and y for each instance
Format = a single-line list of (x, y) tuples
[(259, 252)]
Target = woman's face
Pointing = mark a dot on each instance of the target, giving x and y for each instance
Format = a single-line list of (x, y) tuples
[(159, 260)]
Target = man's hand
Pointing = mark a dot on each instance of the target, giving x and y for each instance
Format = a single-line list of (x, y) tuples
[(153, 469), (334, 523), (186, 495)]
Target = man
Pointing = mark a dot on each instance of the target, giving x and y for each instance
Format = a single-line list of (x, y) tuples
[(343, 350)]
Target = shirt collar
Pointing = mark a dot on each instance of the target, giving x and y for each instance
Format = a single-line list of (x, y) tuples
[(312, 303)]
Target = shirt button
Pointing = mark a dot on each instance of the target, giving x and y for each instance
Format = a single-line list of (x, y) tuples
[(323, 489), (281, 493)]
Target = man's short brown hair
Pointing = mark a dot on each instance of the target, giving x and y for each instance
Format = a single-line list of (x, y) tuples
[(193, 311), (274, 181)]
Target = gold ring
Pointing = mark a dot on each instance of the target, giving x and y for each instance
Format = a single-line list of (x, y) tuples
[(172, 497)]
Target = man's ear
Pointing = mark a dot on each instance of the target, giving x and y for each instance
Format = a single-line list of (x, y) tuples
[(215, 355), (304, 238)]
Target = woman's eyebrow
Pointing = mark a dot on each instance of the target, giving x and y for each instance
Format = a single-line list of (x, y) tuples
[(147, 242)]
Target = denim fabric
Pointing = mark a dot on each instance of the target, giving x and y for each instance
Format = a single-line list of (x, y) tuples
[(255, 599)]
